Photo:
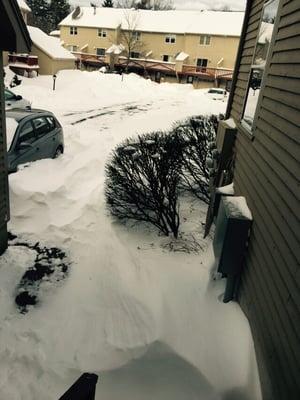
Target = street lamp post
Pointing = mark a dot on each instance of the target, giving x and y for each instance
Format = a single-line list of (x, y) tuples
[(54, 79)]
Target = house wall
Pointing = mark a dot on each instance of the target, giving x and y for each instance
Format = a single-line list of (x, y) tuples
[(267, 172), (88, 36), (49, 66), (4, 200), (155, 42), (220, 47)]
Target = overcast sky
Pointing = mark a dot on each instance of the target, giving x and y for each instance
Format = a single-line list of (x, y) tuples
[(185, 4)]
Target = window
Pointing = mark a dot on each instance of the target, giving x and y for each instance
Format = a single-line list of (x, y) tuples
[(51, 122), (190, 79), (72, 48), (27, 133), (136, 36), (205, 40), (102, 33), (100, 52), (73, 30), (170, 39), (41, 126), (202, 62), (134, 54), (259, 61), (166, 57)]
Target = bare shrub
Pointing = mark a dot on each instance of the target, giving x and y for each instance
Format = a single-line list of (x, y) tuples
[(142, 180), (198, 135)]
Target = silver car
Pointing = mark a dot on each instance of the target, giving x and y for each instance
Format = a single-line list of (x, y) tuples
[(15, 101), (32, 135)]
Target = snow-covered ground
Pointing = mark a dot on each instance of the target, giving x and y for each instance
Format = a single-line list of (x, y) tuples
[(148, 320)]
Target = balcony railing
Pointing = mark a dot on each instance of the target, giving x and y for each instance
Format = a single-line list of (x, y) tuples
[(23, 61), (89, 57), (207, 71), (157, 66)]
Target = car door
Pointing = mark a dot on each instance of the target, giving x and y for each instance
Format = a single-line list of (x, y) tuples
[(23, 149), (45, 131)]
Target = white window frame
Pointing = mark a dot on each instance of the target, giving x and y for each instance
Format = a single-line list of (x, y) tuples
[(102, 33), (251, 128), (73, 30), (205, 40), (170, 39)]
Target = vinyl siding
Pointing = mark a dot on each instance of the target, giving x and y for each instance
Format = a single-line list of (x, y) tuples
[(267, 172)]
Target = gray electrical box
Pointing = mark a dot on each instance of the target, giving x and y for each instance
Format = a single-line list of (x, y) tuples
[(231, 234)]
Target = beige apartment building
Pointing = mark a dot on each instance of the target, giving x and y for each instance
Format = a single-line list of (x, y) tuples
[(183, 44)]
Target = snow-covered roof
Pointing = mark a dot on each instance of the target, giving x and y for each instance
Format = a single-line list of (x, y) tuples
[(23, 5), (181, 56), (172, 21), (55, 33), (115, 49), (48, 44)]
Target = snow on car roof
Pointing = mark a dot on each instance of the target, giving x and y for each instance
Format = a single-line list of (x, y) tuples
[(48, 44), (172, 21), (11, 127), (23, 5)]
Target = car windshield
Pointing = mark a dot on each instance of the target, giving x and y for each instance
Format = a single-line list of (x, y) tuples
[(11, 127)]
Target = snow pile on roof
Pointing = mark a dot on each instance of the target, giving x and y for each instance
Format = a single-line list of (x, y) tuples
[(105, 17), (172, 21), (115, 49), (55, 33), (23, 5), (237, 207), (265, 33), (49, 45), (181, 56), (228, 189)]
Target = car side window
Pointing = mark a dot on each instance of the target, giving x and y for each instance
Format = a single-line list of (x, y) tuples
[(41, 126), (51, 122), (27, 133), (9, 95)]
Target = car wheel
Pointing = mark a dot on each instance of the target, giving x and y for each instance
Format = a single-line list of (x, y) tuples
[(58, 152)]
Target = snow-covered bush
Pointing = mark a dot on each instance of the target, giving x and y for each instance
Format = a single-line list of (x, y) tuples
[(142, 179), (199, 135)]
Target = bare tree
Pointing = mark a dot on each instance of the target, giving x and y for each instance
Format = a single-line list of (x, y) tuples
[(131, 37), (146, 4), (224, 8)]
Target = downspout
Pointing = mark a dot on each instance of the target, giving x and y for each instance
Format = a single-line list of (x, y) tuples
[(238, 57)]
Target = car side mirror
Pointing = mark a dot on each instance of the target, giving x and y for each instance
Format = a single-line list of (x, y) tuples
[(18, 97), (24, 146)]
